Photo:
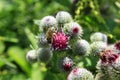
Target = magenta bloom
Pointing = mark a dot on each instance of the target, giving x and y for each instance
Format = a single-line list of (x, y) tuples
[(108, 56), (117, 45), (59, 41), (67, 64)]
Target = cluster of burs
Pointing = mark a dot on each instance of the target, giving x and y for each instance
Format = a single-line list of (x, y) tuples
[(60, 33)]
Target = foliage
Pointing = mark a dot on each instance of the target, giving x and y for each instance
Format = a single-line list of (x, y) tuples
[(17, 31)]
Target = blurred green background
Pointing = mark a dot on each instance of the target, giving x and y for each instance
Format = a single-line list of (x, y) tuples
[(18, 31)]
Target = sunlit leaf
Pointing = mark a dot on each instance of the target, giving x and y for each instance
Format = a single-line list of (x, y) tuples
[(18, 55), (2, 47)]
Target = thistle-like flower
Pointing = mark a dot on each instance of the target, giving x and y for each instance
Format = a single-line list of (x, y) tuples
[(117, 46), (44, 54), (73, 29), (63, 17), (108, 56), (108, 66), (42, 40), (97, 47), (98, 36), (80, 74), (60, 41), (48, 21), (67, 64), (81, 47), (31, 56)]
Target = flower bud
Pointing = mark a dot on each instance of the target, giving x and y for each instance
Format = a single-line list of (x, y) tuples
[(63, 17), (31, 56), (48, 21), (98, 37), (73, 29), (81, 47), (44, 54), (80, 74), (97, 47), (42, 41), (67, 64)]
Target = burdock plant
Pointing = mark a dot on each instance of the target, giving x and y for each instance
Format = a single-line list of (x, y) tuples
[(60, 41)]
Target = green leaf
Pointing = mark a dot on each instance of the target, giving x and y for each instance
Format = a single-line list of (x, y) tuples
[(37, 73), (6, 61), (18, 55), (31, 37), (19, 77), (2, 47)]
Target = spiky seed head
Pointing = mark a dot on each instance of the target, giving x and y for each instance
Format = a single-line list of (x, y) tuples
[(80, 74), (81, 47), (31, 56), (73, 29), (44, 54), (63, 17), (98, 36), (97, 47)]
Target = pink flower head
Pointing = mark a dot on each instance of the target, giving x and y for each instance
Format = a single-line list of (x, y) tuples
[(75, 30), (108, 56), (67, 64), (59, 41), (117, 45)]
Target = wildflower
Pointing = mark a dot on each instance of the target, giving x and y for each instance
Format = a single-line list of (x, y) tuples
[(80, 74), (42, 41), (98, 36), (67, 64), (73, 29), (59, 41), (108, 66), (81, 47), (63, 17), (31, 56), (108, 56), (97, 47), (117, 45), (44, 54), (48, 21)]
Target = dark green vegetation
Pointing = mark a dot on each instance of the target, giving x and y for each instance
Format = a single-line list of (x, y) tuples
[(17, 31)]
